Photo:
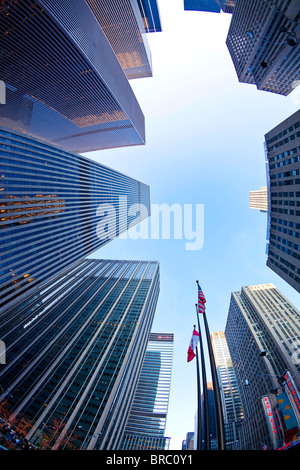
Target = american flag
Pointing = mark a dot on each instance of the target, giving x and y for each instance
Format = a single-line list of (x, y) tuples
[(201, 300)]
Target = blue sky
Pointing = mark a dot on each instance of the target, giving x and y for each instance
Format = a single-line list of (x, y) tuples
[(205, 134)]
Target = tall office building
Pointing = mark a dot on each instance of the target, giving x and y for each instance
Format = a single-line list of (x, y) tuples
[(259, 199), (125, 24), (211, 417), (226, 5), (232, 408), (66, 67), (146, 424), (188, 443), (74, 353), (202, 5), (212, 6), (56, 208), (263, 41), (261, 320), (282, 147), (150, 15)]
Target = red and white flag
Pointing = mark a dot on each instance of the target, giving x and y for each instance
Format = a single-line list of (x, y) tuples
[(201, 300), (193, 344)]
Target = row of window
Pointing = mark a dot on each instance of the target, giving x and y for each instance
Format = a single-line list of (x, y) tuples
[(289, 161), (284, 132), (283, 268), (286, 211), (284, 154), (281, 202), (285, 174), (285, 182), (285, 230), (285, 249), (286, 194)]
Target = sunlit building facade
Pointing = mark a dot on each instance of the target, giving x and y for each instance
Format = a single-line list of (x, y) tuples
[(259, 199), (75, 350), (146, 424), (263, 337), (231, 402), (56, 208), (66, 67), (263, 42), (282, 148)]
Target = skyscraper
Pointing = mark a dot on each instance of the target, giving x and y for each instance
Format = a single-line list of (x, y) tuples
[(226, 5), (188, 443), (259, 199), (66, 67), (150, 14), (212, 417), (146, 424), (56, 208), (75, 352), (202, 5), (263, 336), (282, 147), (232, 408), (263, 41), (124, 25)]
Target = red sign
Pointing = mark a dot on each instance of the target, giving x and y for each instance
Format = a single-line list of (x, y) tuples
[(293, 393), (270, 420)]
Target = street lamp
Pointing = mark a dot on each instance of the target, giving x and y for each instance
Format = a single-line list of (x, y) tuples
[(88, 434), (272, 390), (4, 393), (291, 41)]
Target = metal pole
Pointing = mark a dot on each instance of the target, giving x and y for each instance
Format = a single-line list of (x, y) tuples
[(199, 436), (205, 418), (217, 396)]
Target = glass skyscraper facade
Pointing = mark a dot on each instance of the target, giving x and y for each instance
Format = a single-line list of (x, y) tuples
[(263, 43), (202, 5), (56, 208), (75, 330), (212, 6), (231, 402), (75, 350), (66, 67), (261, 319), (282, 147), (188, 443), (150, 14), (145, 427), (226, 5)]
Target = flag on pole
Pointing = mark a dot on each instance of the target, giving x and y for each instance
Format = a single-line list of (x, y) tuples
[(201, 300), (193, 344)]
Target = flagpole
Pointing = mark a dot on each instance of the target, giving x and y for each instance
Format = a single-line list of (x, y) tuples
[(199, 437), (217, 396), (205, 418)]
